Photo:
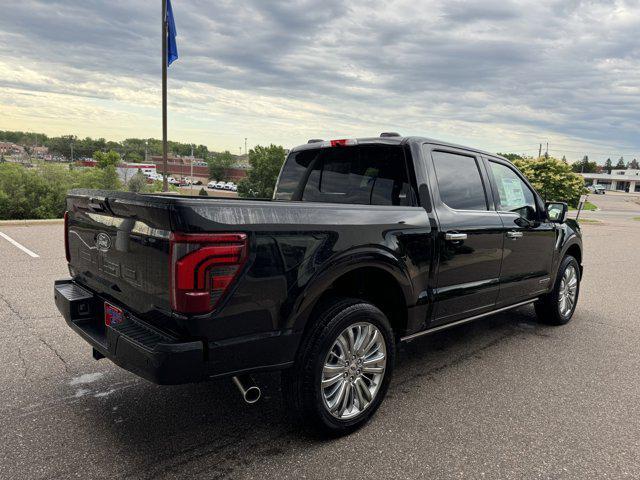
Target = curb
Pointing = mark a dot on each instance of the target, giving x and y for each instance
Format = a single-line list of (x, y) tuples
[(27, 223)]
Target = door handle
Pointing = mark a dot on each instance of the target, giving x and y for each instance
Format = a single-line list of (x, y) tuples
[(514, 235), (455, 237)]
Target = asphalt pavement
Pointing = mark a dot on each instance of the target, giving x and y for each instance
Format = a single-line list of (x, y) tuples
[(503, 397)]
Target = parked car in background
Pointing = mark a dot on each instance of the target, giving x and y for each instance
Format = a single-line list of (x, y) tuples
[(220, 185), (212, 184), (366, 243)]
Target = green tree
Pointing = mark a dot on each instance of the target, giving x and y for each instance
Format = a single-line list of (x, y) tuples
[(265, 165), (137, 183), (633, 164), (511, 156), (584, 166), (107, 159), (203, 193), (621, 165), (219, 164), (608, 165), (553, 179), (62, 145), (134, 157)]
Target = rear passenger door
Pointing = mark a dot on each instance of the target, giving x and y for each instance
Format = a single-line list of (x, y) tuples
[(470, 238)]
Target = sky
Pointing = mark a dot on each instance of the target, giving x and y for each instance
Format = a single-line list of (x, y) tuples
[(499, 75)]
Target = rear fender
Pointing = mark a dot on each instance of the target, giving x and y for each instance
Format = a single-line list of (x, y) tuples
[(337, 267)]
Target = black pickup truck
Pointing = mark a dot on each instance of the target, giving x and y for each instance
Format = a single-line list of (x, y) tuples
[(366, 243)]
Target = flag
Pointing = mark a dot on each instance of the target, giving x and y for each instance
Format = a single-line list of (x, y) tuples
[(172, 46)]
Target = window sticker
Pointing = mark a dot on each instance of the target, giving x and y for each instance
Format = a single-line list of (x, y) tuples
[(513, 192)]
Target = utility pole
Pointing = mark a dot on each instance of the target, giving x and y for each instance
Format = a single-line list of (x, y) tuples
[(245, 145), (165, 166), (540, 151), (146, 151), (72, 151), (546, 153), (191, 177)]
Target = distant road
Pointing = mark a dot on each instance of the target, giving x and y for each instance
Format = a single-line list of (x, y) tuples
[(613, 204)]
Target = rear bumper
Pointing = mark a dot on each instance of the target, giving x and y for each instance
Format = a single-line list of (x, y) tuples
[(133, 345)]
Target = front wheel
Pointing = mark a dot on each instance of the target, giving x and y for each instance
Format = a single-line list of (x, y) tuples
[(343, 368), (557, 307)]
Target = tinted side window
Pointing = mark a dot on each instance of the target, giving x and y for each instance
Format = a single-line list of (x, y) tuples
[(293, 173), (366, 174), (459, 181), (514, 195)]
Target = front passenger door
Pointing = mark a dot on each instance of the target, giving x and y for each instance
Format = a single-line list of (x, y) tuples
[(529, 239)]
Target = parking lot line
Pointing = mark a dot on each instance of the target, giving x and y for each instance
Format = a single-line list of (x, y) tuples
[(21, 247)]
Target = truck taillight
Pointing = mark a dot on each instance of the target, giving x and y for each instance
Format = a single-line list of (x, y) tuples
[(203, 267), (66, 237), (344, 142)]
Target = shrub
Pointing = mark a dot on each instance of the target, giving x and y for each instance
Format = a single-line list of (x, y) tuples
[(137, 183), (40, 192)]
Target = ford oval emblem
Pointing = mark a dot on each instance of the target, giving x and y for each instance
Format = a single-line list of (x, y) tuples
[(103, 242)]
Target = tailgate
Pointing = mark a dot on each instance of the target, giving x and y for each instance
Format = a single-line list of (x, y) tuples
[(119, 247)]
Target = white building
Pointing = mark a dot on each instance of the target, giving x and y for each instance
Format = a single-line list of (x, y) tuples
[(620, 180), (128, 170)]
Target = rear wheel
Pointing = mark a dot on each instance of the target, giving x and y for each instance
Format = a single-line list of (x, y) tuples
[(557, 307), (343, 368)]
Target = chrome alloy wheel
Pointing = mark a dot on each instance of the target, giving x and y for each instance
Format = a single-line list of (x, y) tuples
[(353, 370), (568, 291)]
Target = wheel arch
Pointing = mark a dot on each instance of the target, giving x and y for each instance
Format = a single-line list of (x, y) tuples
[(376, 276)]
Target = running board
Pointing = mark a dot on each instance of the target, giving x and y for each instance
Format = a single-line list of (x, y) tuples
[(465, 320)]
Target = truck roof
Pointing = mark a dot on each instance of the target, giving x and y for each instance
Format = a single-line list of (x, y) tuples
[(398, 140)]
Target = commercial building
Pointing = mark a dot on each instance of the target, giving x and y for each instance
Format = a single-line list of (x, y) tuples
[(8, 148), (180, 167), (128, 170), (619, 180)]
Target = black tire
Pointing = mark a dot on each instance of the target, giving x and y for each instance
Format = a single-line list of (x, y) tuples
[(548, 307), (301, 388)]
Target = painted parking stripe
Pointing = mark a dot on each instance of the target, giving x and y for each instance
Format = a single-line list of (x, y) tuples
[(21, 247)]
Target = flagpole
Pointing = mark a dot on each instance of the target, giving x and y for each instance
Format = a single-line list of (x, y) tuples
[(165, 184)]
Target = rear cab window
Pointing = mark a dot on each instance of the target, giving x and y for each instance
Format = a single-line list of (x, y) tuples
[(361, 174)]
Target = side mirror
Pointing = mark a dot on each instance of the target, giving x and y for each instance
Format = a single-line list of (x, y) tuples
[(557, 211)]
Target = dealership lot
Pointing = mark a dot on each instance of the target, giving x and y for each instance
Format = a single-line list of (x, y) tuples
[(503, 397)]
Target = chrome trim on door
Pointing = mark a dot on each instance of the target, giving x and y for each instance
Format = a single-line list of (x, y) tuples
[(514, 234), (455, 237), (465, 320)]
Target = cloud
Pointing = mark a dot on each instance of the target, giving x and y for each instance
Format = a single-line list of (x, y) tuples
[(493, 74)]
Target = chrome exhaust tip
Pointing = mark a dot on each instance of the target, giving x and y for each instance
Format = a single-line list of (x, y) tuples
[(248, 389)]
